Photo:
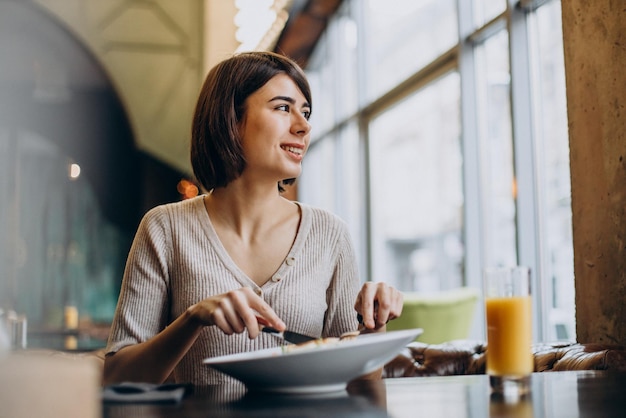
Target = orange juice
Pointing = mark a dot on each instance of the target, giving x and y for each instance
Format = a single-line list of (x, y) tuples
[(509, 336)]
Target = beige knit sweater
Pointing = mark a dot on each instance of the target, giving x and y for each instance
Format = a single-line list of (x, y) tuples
[(177, 260)]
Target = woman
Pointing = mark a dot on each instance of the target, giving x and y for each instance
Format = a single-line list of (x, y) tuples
[(202, 271)]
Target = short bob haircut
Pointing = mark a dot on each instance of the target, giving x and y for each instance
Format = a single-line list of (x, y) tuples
[(216, 151)]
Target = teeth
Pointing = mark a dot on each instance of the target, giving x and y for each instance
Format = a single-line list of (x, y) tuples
[(293, 149)]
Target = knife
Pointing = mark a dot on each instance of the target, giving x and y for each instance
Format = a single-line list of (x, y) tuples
[(289, 336), (359, 317)]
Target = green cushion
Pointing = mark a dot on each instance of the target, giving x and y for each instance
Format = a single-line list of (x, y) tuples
[(444, 316)]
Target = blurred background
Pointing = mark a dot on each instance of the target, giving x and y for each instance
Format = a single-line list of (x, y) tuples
[(439, 135)]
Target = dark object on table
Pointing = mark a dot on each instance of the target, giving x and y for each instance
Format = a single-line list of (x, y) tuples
[(133, 392), (464, 357)]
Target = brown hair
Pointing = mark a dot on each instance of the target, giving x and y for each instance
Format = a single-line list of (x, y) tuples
[(216, 152)]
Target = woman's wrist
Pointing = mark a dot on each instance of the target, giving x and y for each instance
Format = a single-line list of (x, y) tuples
[(193, 317)]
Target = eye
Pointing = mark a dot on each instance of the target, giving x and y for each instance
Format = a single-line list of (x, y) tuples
[(287, 108)]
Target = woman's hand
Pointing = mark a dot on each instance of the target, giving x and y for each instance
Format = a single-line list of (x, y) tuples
[(378, 303), (235, 311)]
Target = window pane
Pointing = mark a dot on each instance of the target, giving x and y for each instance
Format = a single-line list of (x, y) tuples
[(331, 180), (344, 58), (417, 197), (554, 181), (320, 75), (330, 177), (316, 185), (486, 10), (404, 38), (498, 182), (349, 196)]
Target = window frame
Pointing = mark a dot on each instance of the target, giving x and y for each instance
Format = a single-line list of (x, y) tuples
[(529, 220)]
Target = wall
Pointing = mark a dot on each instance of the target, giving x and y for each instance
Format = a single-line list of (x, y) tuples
[(595, 58), (153, 53), (64, 240)]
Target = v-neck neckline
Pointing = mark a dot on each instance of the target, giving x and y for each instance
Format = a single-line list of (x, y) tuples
[(287, 263)]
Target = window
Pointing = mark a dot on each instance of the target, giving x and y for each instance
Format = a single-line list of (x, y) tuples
[(416, 177), (404, 38), (443, 144), (486, 10), (553, 166), (496, 157)]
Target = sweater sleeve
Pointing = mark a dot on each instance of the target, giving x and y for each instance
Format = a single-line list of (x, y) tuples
[(143, 306)]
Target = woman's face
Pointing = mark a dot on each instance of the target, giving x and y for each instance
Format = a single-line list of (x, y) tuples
[(275, 130)]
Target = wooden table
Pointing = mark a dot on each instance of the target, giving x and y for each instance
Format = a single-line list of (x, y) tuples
[(553, 394)]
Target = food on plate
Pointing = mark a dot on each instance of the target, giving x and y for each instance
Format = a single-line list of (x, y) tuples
[(319, 343)]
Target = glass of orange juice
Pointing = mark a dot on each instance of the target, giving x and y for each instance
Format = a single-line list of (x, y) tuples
[(509, 331)]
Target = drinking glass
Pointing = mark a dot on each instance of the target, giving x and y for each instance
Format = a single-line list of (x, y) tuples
[(509, 331)]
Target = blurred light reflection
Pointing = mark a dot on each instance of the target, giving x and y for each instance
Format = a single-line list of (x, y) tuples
[(74, 171)]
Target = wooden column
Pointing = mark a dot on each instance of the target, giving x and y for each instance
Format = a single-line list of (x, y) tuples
[(594, 35)]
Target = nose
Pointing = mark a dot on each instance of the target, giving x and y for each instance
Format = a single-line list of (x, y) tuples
[(300, 125)]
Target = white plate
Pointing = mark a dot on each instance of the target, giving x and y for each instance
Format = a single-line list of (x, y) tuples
[(316, 370)]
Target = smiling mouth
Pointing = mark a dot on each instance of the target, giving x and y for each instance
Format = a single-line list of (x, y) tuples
[(293, 150)]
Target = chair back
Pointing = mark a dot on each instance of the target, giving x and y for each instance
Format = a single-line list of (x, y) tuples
[(444, 316)]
